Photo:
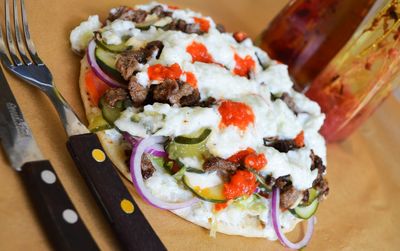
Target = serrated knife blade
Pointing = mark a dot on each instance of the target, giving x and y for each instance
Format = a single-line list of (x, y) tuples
[(15, 135)]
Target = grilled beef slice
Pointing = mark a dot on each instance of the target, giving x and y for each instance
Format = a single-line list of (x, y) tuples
[(181, 25), (128, 62), (159, 11), (147, 167), (175, 92), (113, 95), (289, 197), (223, 167), (137, 92), (282, 145), (289, 102), (320, 183), (128, 14)]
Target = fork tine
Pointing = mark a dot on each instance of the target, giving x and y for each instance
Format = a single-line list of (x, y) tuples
[(3, 50), (28, 40), (18, 35), (10, 39)]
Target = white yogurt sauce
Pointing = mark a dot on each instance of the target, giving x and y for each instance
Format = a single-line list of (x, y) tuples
[(272, 118)]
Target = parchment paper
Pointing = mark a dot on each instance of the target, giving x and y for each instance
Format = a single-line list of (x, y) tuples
[(361, 213)]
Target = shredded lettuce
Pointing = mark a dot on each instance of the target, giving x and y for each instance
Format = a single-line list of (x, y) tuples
[(213, 225), (252, 203)]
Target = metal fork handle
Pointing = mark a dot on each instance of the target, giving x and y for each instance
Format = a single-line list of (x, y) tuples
[(72, 124)]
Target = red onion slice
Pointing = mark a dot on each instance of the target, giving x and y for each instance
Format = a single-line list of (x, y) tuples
[(96, 68), (277, 225), (136, 173), (156, 150)]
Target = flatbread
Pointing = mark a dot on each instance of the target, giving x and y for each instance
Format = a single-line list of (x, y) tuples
[(112, 144)]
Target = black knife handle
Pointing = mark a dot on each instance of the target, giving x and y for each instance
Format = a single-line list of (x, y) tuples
[(129, 224), (58, 215)]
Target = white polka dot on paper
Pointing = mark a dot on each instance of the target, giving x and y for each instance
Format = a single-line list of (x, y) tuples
[(70, 216), (48, 176)]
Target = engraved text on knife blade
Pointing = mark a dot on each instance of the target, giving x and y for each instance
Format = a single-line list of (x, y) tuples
[(16, 137)]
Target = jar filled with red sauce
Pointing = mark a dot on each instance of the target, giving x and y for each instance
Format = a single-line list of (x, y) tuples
[(346, 52), (362, 74), (307, 34)]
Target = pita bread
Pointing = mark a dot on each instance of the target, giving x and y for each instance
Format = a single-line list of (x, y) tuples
[(248, 226)]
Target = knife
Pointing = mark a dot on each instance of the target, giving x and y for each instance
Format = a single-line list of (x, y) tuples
[(128, 222), (58, 215)]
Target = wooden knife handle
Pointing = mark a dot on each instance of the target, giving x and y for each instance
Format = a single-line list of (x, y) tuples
[(129, 224), (58, 215)]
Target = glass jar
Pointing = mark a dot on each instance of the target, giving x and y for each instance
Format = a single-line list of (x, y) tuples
[(362, 74), (307, 34)]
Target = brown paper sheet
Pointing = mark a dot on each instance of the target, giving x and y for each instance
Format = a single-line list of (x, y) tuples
[(362, 212)]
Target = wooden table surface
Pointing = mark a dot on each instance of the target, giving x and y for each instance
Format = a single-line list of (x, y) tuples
[(362, 212)]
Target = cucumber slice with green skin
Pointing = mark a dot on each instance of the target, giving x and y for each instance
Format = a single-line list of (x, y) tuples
[(184, 146), (119, 48), (193, 140), (206, 186), (213, 194), (312, 195), (107, 61), (305, 212), (153, 20), (111, 114), (194, 170)]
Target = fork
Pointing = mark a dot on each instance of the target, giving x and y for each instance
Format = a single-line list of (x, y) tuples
[(125, 217)]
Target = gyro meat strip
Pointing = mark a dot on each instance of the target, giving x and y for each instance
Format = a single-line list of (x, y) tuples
[(128, 14), (192, 99), (181, 25), (162, 91), (219, 164), (320, 183), (147, 167), (282, 145), (113, 95), (184, 90), (223, 167), (154, 49), (322, 188), (209, 102), (316, 163), (175, 92), (137, 92), (289, 197), (129, 62), (220, 28), (288, 100), (159, 11), (283, 183)]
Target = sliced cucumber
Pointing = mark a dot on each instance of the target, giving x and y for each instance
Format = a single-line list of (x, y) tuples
[(111, 114), (153, 20), (114, 48), (305, 212), (185, 146), (196, 138), (107, 61), (212, 194), (194, 170), (312, 195)]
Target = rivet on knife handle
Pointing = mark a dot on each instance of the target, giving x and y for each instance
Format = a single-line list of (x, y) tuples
[(56, 211), (127, 221)]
